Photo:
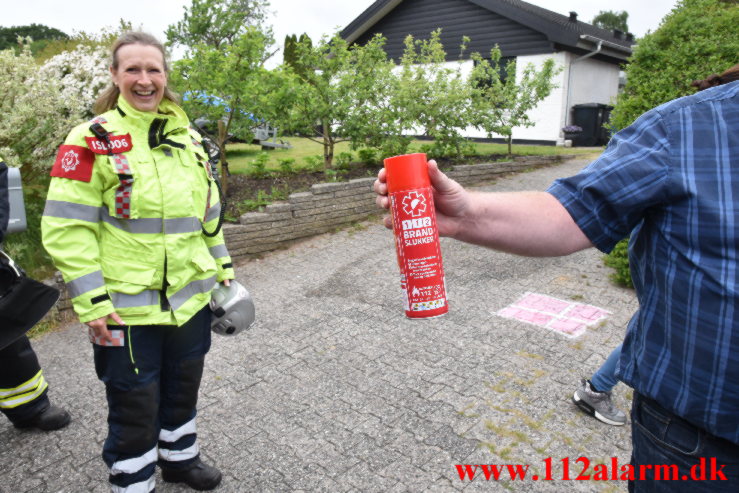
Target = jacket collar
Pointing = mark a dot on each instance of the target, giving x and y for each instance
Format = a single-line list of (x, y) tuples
[(174, 116)]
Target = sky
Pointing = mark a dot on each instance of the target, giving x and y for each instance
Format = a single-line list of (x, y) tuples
[(315, 17)]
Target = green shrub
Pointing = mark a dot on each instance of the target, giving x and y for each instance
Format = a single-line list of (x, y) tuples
[(342, 160), (313, 163), (333, 175), (427, 149), (618, 259), (258, 166), (368, 155), (247, 205), (696, 39), (286, 165), (395, 146)]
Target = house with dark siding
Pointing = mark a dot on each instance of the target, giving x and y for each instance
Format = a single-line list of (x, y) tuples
[(590, 57)]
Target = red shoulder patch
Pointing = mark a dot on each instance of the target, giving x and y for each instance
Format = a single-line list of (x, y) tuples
[(73, 162), (118, 144)]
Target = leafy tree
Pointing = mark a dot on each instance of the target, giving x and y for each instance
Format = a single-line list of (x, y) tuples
[(698, 38), (288, 49), (432, 98), (217, 23), (39, 33), (499, 104), (101, 39), (290, 55), (339, 90), (222, 73), (609, 19)]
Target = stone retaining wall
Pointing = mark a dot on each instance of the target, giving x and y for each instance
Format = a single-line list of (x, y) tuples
[(326, 207)]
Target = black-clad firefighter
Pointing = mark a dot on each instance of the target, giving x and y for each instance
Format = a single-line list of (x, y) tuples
[(130, 219), (23, 388)]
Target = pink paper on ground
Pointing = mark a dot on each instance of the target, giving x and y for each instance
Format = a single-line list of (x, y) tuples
[(587, 313), (568, 318), (568, 326), (542, 303), (526, 316)]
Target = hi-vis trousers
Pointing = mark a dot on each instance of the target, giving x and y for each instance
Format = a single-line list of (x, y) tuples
[(152, 375), (22, 384)]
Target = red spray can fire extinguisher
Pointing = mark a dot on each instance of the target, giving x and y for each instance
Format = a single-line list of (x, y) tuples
[(416, 236)]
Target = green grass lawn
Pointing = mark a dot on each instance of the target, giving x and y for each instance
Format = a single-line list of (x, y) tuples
[(240, 156)]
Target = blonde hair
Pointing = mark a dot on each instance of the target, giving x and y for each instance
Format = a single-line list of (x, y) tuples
[(108, 99)]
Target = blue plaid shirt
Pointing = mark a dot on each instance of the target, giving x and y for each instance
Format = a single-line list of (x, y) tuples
[(672, 180)]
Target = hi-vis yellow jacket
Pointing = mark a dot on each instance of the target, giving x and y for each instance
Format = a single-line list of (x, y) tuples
[(123, 221)]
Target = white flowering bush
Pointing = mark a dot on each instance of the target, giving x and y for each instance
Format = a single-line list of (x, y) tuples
[(82, 73), (40, 105), (33, 116)]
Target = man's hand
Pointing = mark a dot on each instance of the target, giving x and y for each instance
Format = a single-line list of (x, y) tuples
[(100, 326), (535, 223), (451, 200)]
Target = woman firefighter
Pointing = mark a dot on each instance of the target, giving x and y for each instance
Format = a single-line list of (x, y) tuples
[(130, 203)]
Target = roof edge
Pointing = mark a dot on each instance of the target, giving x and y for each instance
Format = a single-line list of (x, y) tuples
[(367, 19)]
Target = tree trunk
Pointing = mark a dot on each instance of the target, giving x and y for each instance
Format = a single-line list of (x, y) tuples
[(328, 146), (224, 162), (510, 145)]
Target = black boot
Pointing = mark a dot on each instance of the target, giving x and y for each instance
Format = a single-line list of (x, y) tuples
[(50, 419), (198, 476)]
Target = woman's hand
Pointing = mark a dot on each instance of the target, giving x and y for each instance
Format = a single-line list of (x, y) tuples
[(227, 282), (100, 326)]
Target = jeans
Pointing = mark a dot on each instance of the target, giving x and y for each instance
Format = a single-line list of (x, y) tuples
[(697, 460), (604, 379)]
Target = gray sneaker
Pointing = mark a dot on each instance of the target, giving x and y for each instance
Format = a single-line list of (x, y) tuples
[(598, 404)]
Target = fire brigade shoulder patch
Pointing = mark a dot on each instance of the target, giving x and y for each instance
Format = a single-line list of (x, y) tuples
[(118, 144), (73, 162)]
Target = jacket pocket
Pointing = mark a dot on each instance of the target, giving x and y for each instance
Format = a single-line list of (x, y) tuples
[(126, 275), (204, 262)]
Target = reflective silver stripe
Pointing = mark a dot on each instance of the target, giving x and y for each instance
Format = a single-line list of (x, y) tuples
[(21, 399), (86, 283), (179, 455), (181, 225), (196, 287), (213, 213), (145, 486), (71, 210), (172, 436), (218, 251), (144, 298), (143, 225), (24, 387), (134, 464)]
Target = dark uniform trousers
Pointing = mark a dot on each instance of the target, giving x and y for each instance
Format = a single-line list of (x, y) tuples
[(151, 385), (21, 380)]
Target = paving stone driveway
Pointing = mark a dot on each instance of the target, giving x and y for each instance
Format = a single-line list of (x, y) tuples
[(335, 390)]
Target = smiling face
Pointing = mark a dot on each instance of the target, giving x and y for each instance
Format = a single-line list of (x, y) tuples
[(140, 75)]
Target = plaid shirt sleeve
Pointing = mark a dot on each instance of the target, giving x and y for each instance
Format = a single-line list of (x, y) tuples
[(609, 197)]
